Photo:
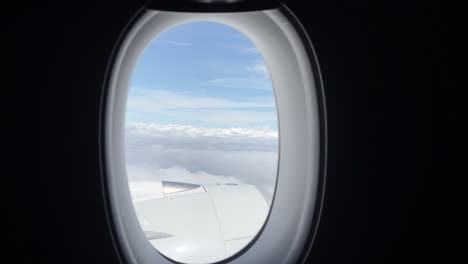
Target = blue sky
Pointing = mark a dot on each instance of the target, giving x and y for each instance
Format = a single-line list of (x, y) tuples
[(202, 74)]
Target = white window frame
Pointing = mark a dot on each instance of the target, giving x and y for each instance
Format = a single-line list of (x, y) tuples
[(296, 83)]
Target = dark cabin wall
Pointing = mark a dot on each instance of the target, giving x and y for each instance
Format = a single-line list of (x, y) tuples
[(379, 65)]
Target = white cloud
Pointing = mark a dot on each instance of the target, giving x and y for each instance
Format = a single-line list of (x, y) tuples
[(155, 129), (251, 82), (258, 78), (156, 152), (259, 68), (183, 108), (248, 49), (178, 43), (153, 100)]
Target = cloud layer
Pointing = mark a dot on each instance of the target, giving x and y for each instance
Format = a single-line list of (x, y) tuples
[(156, 152), (165, 105)]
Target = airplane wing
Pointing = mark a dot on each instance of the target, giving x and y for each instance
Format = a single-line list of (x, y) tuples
[(202, 223)]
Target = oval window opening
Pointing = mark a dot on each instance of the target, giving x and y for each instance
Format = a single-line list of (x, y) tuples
[(201, 140)]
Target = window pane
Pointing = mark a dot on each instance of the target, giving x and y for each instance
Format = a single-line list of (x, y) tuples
[(201, 142)]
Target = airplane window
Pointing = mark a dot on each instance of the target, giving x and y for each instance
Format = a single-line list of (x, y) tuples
[(201, 142), (213, 145)]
